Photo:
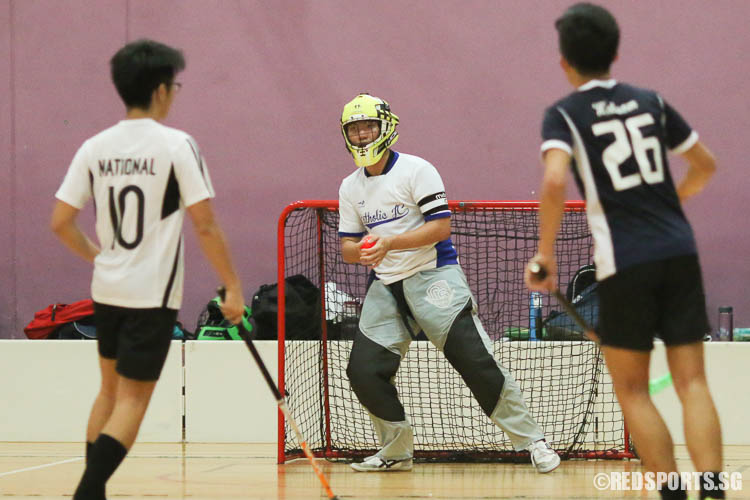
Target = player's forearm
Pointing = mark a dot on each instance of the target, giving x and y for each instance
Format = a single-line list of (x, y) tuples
[(552, 201), (551, 208), (73, 238), (214, 246), (430, 233), (63, 224), (702, 167), (693, 183), (695, 180), (349, 251)]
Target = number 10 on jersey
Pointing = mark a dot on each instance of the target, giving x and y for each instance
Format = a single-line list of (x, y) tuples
[(117, 205)]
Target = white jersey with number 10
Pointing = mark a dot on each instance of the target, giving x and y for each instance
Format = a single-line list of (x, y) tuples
[(141, 175)]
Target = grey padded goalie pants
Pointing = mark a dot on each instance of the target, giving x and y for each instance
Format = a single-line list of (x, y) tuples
[(443, 307)]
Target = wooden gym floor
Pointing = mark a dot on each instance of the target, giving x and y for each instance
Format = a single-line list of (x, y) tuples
[(50, 471)]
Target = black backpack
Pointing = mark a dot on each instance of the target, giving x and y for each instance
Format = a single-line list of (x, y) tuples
[(582, 279), (303, 310), (581, 292), (212, 325)]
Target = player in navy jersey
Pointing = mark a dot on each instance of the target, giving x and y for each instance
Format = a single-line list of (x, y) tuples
[(616, 136), (143, 177), (399, 200)]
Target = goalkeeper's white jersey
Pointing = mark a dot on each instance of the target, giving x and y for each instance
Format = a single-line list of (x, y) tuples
[(142, 175), (408, 193)]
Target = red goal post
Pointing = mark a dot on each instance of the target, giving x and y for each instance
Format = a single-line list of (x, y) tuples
[(564, 381)]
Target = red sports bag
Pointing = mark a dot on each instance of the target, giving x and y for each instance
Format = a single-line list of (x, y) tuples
[(53, 316)]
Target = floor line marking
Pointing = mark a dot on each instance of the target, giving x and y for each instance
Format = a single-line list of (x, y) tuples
[(40, 466)]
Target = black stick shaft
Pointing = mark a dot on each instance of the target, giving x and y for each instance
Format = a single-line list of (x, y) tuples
[(572, 311), (280, 400), (261, 365), (258, 360), (540, 274)]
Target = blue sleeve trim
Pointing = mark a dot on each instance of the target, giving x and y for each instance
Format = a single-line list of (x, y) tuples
[(352, 235), (439, 215)]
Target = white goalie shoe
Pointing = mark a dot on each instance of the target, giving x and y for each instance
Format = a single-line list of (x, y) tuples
[(377, 464), (543, 457)]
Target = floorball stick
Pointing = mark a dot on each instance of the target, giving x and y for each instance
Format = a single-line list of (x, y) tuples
[(655, 386), (245, 334)]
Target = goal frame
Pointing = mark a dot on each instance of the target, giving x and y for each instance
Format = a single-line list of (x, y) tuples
[(333, 205)]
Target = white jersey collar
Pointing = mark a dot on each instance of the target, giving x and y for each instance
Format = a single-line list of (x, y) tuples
[(388, 166), (136, 121), (607, 84)]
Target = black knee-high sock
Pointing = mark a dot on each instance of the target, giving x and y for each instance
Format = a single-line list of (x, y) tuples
[(88, 451), (105, 456), (711, 490)]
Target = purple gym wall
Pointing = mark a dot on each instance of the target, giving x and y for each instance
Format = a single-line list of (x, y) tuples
[(7, 249), (264, 86)]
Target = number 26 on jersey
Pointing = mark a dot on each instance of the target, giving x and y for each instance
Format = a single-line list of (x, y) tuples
[(624, 147)]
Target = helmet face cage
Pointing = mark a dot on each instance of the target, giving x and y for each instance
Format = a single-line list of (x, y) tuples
[(365, 107)]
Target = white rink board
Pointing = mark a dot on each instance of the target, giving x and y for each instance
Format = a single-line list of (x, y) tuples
[(50, 386), (227, 399)]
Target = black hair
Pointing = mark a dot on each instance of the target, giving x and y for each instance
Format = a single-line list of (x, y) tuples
[(588, 37), (140, 67)]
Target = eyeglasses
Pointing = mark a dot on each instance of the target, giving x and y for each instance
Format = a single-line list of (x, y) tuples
[(176, 86)]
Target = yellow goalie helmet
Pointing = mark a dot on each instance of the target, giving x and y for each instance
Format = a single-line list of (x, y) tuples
[(367, 107)]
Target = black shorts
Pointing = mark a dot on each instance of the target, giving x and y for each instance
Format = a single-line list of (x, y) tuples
[(138, 339), (662, 299)]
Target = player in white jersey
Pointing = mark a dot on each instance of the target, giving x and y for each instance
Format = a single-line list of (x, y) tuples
[(143, 177), (399, 200), (616, 136)]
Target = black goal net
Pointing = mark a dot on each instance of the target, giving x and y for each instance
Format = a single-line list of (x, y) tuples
[(562, 375)]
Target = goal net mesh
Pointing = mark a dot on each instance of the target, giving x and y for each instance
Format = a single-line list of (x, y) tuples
[(562, 376)]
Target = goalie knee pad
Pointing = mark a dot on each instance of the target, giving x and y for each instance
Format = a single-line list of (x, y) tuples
[(370, 369), (467, 353)]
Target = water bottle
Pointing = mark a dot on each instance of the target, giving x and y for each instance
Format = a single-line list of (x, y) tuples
[(535, 316), (725, 331)]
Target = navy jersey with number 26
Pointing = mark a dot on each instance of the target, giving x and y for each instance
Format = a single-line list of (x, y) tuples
[(618, 136)]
